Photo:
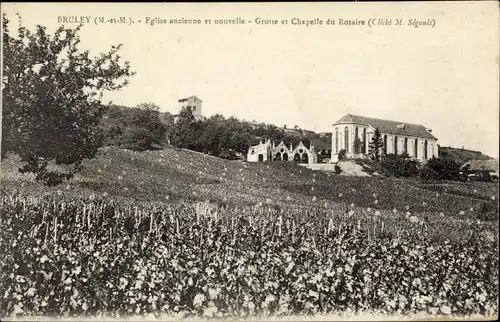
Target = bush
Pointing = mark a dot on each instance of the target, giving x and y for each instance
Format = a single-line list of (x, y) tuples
[(400, 165), (229, 155), (338, 170), (440, 169), (427, 174), (482, 176), (342, 154)]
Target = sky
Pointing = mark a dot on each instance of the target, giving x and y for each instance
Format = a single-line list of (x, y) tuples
[(445, 77)]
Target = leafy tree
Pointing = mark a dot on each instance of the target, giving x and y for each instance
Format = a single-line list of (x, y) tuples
[(376, 145), (143, 130), (148, 106), (51, 97), (184, 130)]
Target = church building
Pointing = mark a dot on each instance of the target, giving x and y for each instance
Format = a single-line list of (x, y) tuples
[(398, 137)]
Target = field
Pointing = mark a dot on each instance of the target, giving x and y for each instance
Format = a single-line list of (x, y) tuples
[(179, 233)]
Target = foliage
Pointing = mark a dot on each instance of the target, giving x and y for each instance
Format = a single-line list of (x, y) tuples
[(400, 165), (92, 256), (357, 145), (51, 98), (338, 170), (218, 135), (440, 169), (376, 146), (137, 129), (479, 175), (342, 154), (184, 130), (148, 106)]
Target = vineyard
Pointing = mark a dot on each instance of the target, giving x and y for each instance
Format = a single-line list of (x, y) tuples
[(216, 239)]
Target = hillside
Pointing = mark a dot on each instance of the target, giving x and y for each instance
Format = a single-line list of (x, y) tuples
[(181, 175), (461, 155)]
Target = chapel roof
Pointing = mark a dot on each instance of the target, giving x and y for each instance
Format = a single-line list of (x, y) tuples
[(388, 126)]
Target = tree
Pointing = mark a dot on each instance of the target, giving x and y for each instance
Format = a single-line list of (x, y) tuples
[(148, 106), (143, 130), (357, 145), (376, 145), (51, 96), (184, 130)]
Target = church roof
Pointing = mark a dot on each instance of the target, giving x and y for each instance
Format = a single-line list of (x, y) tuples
[(388, 126)]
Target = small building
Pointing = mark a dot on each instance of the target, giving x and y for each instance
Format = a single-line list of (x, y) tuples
[(398, 137), (269, 151), (194, 103)]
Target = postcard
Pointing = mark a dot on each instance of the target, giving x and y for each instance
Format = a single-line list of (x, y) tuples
[(249, 161)]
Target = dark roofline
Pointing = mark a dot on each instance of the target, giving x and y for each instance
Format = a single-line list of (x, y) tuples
[(187, 98)]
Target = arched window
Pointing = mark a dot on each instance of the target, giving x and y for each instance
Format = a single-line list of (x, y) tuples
[(285, 157), (405, 146), (336, 140), (396, 145), (425, 150), (385, 143), (305, 158), (363, 148), (416, 149), (346, 139), (278, 157)]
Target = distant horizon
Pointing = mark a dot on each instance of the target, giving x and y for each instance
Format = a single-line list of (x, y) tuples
[(307, 76)]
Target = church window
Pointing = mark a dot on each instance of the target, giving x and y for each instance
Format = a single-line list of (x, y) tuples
[(346, 139), (336, 140)]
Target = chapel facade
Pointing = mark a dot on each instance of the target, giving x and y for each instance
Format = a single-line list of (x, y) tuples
[(269, 151)]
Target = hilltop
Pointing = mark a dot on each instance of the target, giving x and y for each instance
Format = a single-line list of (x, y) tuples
[(461, 156)]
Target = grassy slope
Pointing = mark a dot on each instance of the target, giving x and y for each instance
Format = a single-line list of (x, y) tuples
[(173, 174)]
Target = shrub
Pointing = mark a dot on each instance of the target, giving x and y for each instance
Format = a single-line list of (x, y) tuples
[(400, 165), (357, 145), (426, 173), (482, 176), (338, 170), (440, 169), (342, 155)]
